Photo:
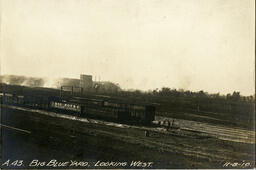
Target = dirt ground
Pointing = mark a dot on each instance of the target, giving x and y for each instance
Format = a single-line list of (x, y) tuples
[(190, 144)]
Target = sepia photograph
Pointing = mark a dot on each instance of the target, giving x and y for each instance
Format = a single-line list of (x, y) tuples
[(127, 84)]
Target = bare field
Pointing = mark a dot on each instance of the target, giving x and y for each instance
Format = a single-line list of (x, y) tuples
[(192, 145)]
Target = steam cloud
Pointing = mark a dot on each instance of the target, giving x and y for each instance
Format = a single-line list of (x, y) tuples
[(29, 81)]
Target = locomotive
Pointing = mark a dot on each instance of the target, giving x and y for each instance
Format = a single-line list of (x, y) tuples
[(86, 107)]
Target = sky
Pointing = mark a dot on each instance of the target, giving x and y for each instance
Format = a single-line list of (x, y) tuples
[(140, 44)]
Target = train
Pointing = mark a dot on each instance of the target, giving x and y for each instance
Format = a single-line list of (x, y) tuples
[(86, 107)]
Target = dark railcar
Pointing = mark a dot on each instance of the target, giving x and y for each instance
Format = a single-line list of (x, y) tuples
[(150, 114), (26, 101), (86, 107)]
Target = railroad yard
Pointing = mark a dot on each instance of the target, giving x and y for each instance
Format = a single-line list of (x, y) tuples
[(43, 139), (144, 84)]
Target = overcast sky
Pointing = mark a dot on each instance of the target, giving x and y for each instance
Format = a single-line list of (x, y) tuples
[(142, 44)]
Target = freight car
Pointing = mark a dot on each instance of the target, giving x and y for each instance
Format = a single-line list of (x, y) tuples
[(116, 111), (87, 107), (27, 100)]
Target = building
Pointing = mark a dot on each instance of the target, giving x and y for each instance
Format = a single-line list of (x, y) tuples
[(86, 82)]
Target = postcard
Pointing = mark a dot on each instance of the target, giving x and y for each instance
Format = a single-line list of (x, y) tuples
[(121, 84)]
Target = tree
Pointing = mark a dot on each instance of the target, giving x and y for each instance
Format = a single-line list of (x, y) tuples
[(235, 96)]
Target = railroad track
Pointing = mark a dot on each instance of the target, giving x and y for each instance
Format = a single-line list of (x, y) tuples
[(203, 129), (220, 132), (173, 141)]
